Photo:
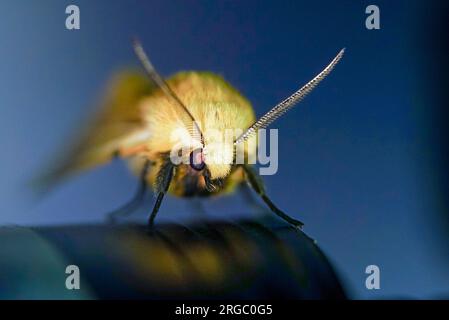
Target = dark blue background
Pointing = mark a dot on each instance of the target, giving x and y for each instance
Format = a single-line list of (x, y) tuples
[(353, 164)]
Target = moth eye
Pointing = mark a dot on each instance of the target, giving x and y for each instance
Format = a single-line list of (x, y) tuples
[(197, 159)]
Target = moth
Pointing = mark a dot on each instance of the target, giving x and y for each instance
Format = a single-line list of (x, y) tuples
[(139, 115)]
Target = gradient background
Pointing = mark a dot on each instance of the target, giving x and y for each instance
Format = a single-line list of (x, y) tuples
[(361, 159)]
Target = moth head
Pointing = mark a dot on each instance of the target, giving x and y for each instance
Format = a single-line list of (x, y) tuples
[(212, 172), (196, 159), (218, 158)]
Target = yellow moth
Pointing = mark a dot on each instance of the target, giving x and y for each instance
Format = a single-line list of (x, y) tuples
[(141, 113)]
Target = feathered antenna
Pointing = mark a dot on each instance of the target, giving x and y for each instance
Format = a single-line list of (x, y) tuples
[(288, 103), (154, 76)]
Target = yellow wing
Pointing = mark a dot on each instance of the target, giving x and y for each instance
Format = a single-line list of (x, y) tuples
[(117, 126)]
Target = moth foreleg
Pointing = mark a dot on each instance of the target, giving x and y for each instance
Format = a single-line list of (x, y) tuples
[(162, 184), (248, 196)]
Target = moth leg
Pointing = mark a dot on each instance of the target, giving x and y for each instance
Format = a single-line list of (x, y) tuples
[(163, 180), (248, 196), (137, 199), (257, 185)]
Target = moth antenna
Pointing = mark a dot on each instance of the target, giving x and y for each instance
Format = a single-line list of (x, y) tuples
[(154, 76), (290, 102)]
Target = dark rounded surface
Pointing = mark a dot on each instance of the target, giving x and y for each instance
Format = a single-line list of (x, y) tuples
[(245, 259)]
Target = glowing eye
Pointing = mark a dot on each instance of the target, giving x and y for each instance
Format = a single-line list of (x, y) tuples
[(197, 160)]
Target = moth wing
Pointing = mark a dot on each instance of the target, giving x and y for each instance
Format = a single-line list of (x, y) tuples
[(117, 125)]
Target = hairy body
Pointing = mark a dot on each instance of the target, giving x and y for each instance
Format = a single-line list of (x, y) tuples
[(136, 122), (216, 106)]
